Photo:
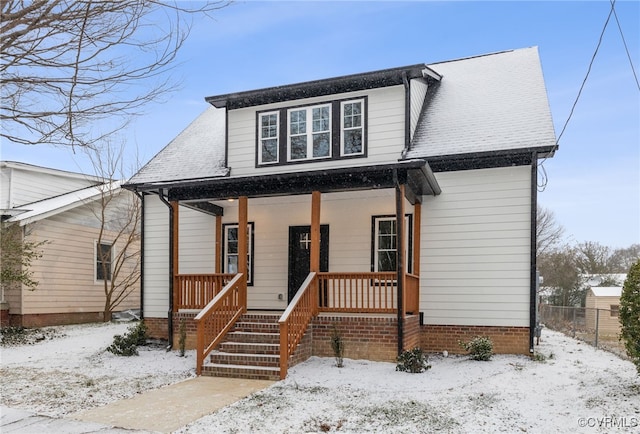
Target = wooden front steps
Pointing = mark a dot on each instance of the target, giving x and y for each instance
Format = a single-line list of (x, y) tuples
[(250, 350)]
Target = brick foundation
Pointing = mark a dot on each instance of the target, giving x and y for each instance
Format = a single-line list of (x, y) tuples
[(365, 337), (157, 328), (50, 319), (190, 328), (4, 314), (304, 349), (506, 340)]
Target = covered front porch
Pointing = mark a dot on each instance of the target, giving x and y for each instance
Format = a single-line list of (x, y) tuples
[(325, 288)]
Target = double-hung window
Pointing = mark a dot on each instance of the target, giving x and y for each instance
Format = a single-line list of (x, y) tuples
[(352, 128), (103, 261), (385, 244), (269, 133), (329, 130), (309, 132), (230, 252)]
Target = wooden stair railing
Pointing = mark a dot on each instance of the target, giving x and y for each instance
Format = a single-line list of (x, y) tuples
[(219, 316), (295, 320)]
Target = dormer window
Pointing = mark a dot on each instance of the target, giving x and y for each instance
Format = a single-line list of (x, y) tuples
[(330, 130), (269, 132), (352, 127), (309, 133)]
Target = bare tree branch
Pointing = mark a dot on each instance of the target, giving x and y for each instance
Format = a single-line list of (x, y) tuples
[(549, 232), (66, 65)]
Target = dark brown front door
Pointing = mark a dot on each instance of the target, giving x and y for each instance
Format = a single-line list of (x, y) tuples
[(300, 255)]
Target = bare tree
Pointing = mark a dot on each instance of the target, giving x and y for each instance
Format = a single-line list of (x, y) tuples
[(66, 64), (594, 258), (623, 259), (560, 272), (118, 213), (549, 232)]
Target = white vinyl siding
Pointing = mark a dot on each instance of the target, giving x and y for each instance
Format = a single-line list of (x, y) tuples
[(418, 94), (348, 216), (156, 258), (197, 241), (475, 253), (385, 134)]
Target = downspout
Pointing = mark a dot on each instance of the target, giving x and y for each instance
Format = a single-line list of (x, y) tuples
[(407, 114), (532, 272), (399, 260), (141, 197), (171, 265)]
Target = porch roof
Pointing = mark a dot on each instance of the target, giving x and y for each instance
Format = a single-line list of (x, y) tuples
[(415, 174)]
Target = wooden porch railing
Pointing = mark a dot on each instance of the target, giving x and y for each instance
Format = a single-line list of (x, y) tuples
[(358, 292), (217, 318), (194, 291), (295, 320)]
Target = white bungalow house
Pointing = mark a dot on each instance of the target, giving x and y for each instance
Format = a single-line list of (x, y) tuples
[(61, 209), (396, 207)]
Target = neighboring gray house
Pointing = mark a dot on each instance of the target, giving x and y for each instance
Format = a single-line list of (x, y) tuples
[(396, 205)]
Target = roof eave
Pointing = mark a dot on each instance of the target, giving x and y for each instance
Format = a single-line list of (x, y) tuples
[(329, 86)]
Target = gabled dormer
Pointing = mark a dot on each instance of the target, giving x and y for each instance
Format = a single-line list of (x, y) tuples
[(355, 120)]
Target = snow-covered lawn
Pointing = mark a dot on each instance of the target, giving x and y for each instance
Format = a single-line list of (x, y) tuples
[(70, 370), (575, 385)]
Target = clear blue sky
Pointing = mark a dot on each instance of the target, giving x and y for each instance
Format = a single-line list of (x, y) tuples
[(594, 180)]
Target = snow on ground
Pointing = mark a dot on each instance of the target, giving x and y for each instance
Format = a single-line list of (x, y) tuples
[(71, 371), (575, 385)]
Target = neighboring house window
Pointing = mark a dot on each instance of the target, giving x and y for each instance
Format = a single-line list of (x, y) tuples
[(230, 252), (352, 127), (614, 310), (330, 130), (385, 243), (103, 261), (309, 133), (268, 138)]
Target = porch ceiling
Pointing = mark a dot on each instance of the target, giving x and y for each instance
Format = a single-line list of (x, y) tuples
[(415, 174)]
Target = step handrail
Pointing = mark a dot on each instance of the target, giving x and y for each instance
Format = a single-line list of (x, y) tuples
[(219, 316), (296, 318)]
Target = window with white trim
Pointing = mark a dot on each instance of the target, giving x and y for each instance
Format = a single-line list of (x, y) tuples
[(351, 137), (309, 134), (385, 243), (103, 257), (230, 250), (269, 133), (329, 130)]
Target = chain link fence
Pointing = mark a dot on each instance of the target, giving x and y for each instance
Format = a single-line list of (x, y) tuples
[(597, 327)]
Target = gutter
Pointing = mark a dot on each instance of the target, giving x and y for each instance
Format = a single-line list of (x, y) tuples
[(171, 268)]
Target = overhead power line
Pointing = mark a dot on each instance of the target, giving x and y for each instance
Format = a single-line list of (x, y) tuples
[(615, 15), (593, 58)]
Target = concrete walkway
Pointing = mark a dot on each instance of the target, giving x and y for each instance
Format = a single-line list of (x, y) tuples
[(156, 411)]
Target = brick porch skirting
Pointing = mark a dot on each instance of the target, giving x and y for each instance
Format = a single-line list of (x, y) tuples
[(157, 328), (506, 340), (365, 337)]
